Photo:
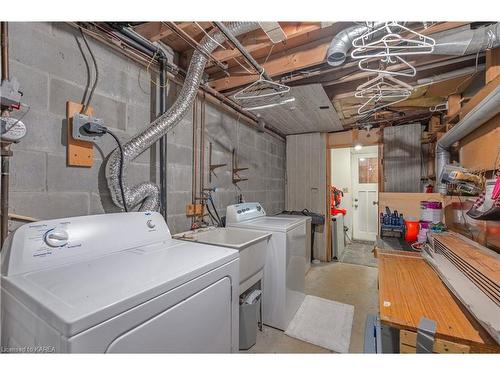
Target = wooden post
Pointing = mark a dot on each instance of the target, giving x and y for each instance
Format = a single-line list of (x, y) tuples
[(435, 123), (454, 106), (492, 64)]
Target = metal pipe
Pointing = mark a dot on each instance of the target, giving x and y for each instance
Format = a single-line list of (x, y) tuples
[(4, 30), (488, 108), (5, 152), (227, 33), (202, 145), (163, 140)]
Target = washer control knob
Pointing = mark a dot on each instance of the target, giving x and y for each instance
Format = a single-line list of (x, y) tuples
[(56, 237), (150, 224)]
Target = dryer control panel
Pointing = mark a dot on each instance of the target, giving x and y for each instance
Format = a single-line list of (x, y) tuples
[(50, 243), (237, 213)]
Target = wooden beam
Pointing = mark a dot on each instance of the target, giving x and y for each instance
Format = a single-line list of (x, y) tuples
[(154, 31), (442, 26), (258, 40), (296, 58), (454, 107), (492, 64)]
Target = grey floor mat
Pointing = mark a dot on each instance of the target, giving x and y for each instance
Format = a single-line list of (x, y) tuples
[(324, 323)]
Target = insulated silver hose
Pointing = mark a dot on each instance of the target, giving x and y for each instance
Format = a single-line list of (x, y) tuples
[(148, 192)]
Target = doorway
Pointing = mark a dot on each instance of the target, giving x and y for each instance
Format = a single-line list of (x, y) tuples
[(365, 195), (355, 172)]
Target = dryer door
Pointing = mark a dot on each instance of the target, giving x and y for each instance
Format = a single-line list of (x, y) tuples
[(180, 329)]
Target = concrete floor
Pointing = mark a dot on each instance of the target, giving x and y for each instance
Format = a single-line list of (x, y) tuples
[(360, 253), (346, 283)]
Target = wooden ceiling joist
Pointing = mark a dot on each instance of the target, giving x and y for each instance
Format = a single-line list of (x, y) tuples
[(155, 31), (258, 40), (297, 58)]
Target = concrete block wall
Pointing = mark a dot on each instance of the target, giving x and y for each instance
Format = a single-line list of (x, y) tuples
[(46, 60)]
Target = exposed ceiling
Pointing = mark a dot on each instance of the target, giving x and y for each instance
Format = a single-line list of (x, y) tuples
[(311, 111), (300, 61)]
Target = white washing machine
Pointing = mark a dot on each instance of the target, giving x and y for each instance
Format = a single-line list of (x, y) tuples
[(116, 283), (284, 270)]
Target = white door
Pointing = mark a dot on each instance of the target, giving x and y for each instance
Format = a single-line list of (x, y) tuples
[(365, 196)]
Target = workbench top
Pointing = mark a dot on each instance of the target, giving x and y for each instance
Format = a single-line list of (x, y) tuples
[(409, 289)]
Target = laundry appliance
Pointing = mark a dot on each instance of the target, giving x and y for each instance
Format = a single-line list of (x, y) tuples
[(284, 269), (116, 283)]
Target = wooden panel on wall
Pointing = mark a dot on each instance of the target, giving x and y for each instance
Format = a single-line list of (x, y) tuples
[(79, 153), (402, 158), (306, 181), (350, 138), (406, 203), (480, 149)]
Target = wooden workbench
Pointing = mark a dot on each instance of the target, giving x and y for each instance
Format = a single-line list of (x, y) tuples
[(409, 289)]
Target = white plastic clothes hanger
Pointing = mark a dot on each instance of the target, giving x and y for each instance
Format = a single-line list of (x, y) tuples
[(382, 91), (390, 60), (378, 103), (261, 88), (391, 43), (263, 94), (385, 79)]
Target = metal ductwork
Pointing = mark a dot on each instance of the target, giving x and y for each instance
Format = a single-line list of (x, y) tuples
[(488, 108), (468, 42), (465, 42), (147, 193), (342, 42)]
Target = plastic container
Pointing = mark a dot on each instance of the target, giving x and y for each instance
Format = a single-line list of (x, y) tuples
[(248, 319), (411, 232), (431, 211)]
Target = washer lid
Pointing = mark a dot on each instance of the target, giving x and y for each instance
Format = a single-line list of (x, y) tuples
[(272, 223), (74, 297)]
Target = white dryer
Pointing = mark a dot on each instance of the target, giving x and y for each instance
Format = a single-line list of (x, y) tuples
[(116, 283), (284, 270)]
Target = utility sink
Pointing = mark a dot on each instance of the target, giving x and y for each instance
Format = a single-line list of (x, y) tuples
[(252, 246)]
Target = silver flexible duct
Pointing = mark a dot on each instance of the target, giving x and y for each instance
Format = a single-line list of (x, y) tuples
[(462, 43), (342, 42), (483, 112), (147, 192), (468, 42)]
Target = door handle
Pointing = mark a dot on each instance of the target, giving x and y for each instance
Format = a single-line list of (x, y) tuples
[(355, 206), (355, 199), (375, 203)]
